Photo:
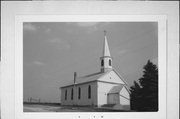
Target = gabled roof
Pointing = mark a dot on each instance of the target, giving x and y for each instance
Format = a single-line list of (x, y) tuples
[(99, 76), (116, 89), (87, 78), (91, 77)]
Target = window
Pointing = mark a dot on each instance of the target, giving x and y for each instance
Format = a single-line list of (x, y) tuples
[(109, 62), (72, 94), (89, 92), (102, 62), (65, 94), (79, 93)]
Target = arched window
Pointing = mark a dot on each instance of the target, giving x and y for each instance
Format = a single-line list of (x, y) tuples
[(109, 62), (102, 62), (72, 94), (89, 92), (66, 94), (79, 93)]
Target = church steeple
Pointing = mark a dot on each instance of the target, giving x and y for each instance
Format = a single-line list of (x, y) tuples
[(106, 51), (106, 60)]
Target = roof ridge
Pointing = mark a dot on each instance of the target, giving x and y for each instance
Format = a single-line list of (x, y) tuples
[(116, 89), (120, 77), (89, 75), (126, 85)]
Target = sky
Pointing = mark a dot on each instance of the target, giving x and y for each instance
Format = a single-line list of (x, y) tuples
[(53, 51)]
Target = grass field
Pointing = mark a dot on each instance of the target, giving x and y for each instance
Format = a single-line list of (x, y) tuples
[(59, 108), (55, 108)]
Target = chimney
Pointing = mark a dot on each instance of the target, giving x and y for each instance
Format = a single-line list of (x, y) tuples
[(75, 75)]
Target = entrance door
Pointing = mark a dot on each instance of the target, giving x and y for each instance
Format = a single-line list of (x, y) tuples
[(113, 98)]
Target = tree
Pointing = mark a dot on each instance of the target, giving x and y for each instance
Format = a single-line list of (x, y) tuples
[(144, 95), (135, 95)]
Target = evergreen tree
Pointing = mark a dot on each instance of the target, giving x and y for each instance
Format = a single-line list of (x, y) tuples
[(135, 96), (144, 96)]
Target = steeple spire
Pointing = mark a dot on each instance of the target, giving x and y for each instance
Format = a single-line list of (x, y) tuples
[(106, 51), (106, 60)]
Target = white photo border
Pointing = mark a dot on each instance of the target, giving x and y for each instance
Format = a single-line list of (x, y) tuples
[(162, 65)]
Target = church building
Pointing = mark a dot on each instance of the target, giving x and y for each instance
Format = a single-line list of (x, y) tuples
[(102, 89)]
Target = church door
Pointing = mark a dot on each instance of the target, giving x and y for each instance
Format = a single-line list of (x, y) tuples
[(113, 99)]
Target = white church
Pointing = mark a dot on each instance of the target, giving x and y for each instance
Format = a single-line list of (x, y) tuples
[(102, 89)]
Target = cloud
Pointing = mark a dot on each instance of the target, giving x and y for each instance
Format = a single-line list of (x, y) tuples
[(92, 24), (121, 52), (38, 63), (54, 40), (29, 27), (62, 44), (89, 27), (48, 30), (87, 24)]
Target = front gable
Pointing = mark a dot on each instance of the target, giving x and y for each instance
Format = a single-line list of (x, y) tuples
[(111, 77)]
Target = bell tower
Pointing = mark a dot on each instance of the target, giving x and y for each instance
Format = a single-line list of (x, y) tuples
[(106, 59)]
